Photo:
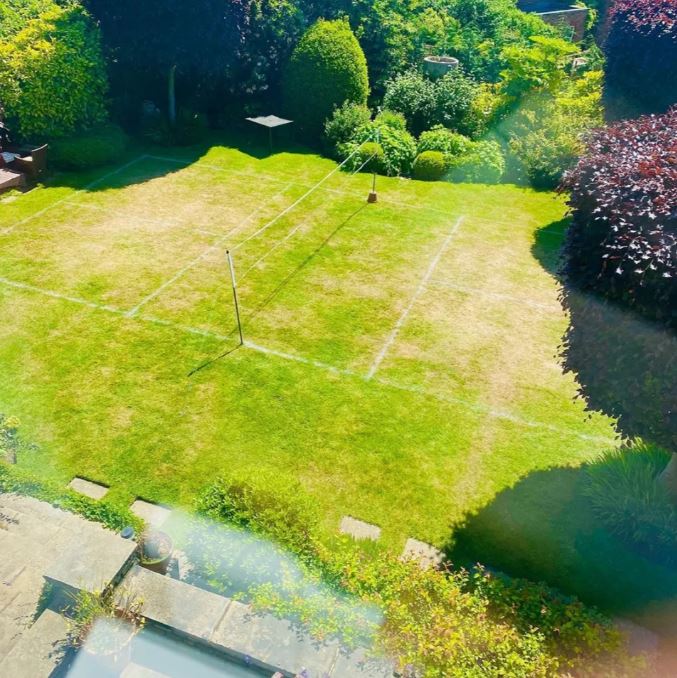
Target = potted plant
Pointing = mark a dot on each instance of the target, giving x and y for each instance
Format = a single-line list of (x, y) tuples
[(102, 625), (156, 551)]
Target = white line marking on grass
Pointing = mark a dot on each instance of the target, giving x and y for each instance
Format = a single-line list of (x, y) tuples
[(58, 295), (265, 227), (299, 359), (477, 407), (494, 295), (191, 264), (500, 414), (111, 309), (419, 290), (56, 203)]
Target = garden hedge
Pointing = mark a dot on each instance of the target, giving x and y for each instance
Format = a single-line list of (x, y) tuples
[(620, 273), (326, 69), (52, 75), (641, 52)]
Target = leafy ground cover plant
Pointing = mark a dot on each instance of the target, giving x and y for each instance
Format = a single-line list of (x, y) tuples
[(87, 150)]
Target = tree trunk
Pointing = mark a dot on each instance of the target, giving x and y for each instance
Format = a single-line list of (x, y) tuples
[(668, 477), (171, 93)]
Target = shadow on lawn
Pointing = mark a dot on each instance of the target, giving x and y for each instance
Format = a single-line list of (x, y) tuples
[(127, 171), (543, 529), (548, 243)]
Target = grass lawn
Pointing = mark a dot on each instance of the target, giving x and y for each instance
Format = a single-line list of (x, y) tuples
[(399, 357)]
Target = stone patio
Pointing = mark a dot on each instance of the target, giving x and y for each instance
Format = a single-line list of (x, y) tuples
[(35, 539)]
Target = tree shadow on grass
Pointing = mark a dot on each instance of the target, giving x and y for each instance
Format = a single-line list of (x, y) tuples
[(133, 168), (543, 529), (547, 246)]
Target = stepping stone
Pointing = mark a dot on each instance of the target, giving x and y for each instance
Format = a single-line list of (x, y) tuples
[(154, 514), (88, 488), (426, 554), (358, 529)]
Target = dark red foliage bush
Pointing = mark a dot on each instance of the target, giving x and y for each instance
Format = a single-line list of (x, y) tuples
[(620, 275), (641, 51)]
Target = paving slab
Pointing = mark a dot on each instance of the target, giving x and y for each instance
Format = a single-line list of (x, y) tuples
[(133, 670), (426, 554), (39, 650), (640, 639), (273, 643), (154, 514), (92, 562), (88, 488), (174, 604), (358, 529)]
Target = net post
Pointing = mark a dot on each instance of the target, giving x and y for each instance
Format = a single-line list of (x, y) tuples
[(234, 284)]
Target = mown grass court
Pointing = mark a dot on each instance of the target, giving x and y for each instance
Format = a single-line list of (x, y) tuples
[(399, 357)]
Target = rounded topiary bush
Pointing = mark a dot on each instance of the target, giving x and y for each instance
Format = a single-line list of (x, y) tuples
[(100, 146), (430, 166), (326, 69)]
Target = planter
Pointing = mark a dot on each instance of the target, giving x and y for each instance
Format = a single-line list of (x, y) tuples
[(108, 646), (156, 551), (437, 66)]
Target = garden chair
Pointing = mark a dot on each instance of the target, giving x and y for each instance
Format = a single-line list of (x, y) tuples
[(32, 162)]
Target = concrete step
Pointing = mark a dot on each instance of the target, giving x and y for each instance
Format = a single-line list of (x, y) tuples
[(38, 650), (236, 630)]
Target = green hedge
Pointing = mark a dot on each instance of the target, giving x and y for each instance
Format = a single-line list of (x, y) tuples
[(326, 69), (13, 479), (101, 146), (52, 75)]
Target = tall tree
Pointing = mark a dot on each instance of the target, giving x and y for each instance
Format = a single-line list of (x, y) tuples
[(153, 39)]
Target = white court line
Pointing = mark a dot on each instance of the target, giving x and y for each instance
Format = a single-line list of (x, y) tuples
[(419, 290), (500, 414), (477, 407), (265, 227), (89, 186), (212, 248), (110, 309), (58, 295), (494, 295)]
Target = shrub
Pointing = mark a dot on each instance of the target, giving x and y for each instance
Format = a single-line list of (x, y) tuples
[(444, 140), (369, 158), (483, 163), (392, 119), (641, 51), (412, 95), (265, 503), (455, 94), (191, 128), (453, 623), (326, 69), (100, 146), (424, 103), (547, 135), (430, 166), (341, 127), (626, 498), (52, 74), (584, 641), (619, 274)]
